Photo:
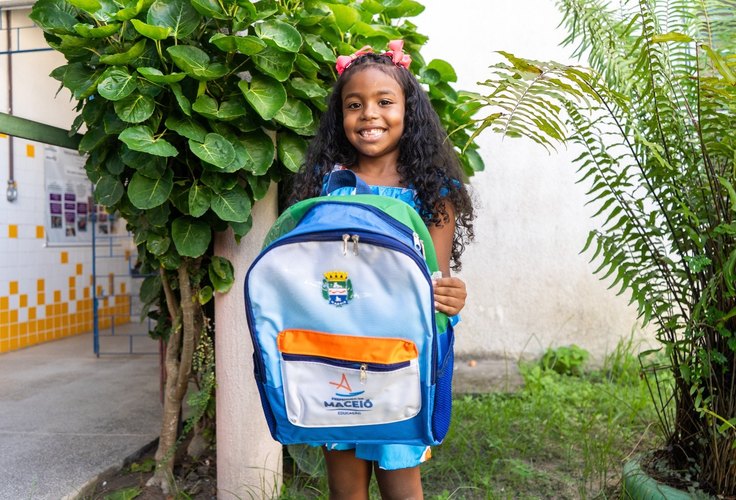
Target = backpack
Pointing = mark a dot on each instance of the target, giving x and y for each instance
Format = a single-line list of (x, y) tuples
[(347, 345)]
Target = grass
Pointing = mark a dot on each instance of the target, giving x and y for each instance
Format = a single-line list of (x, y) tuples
[(560, 436)]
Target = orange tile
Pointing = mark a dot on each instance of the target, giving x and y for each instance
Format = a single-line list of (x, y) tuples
[(49, 310), (23, 342), (31, 313), (13, 287), (30, 151), (57, 309), (73, 294), (41, 299), (4, 317), (14, 344), (32, 326), (14, 330), (57, 295), (64, 257), (24, 329), (4, 303), (4, 332), (12, 230), (64, 308), (39, 232), (4, 346), (13, 316), (72, 282), (40, 285), (86, 292), (123, 287), (80, 268), (57, 322), (24, 300)]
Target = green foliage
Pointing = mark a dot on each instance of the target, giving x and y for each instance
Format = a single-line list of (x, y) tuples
[(653, 122), (566, 360)]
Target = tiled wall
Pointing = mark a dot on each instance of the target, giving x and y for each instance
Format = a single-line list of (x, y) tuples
[(46, 291)]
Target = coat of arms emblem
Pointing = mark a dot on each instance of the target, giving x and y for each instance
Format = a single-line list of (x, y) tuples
[(337, 288)]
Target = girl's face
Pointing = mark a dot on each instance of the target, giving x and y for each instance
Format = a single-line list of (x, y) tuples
[(373, 114)]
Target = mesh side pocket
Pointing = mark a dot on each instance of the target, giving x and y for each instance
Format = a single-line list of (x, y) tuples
[(443, 390)]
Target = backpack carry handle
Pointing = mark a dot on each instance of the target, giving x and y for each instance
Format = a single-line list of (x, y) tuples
[(345, 178)]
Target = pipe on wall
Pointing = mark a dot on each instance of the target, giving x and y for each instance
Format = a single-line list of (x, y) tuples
[(12, 192)]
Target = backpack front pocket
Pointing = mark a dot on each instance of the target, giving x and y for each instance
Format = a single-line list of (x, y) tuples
[(333, 380)]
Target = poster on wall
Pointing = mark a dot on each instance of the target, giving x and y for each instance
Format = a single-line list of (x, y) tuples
[(69, 202)]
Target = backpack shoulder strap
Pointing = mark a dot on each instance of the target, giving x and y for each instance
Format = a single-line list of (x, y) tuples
[(345, 178)]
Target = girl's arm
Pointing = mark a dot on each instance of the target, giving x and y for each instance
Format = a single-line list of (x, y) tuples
[(449, 292)]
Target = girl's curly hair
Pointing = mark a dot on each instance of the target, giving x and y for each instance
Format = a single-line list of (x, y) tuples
[(427, 161)]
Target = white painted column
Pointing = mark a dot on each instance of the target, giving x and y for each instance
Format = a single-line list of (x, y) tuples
[(249, 462)]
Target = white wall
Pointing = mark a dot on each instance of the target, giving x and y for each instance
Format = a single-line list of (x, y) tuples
[(529, 287)]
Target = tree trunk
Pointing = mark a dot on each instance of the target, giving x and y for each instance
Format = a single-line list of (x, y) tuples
[(179, 349)]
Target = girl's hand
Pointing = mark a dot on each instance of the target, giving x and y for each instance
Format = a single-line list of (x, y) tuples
[(449, 295)]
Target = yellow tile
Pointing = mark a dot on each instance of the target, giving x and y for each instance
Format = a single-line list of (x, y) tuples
[(64, 257), (23, 300), (30, 151), (80, 268), (23, 342), (40, 299), (4, 332), (57, 322), (40, 285), (31, 313), (4, 346), (4, 318), (13, 287), (14, 343), (4, 303), (39, 232), (64, 308), (56, 309), (57, 296), (32, 326), (24, 329), (73, 294), (14, 330), (49, 310), (3, 136), (13, 316), (12, 231), (72, 281)]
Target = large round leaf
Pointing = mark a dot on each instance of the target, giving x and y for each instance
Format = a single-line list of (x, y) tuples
[(260, 152), (141, 139), (247, 45), (151, 31), (319, 49), (116, 84), (345, 16), (54, 16), (200, 197), (292, 150), (445, 69), (179, 15), (276, 63), (191, 236), (215, 150), (135, 108), (209, 108), (186, 127), (108, 190), (156, 76), (307, 89), (145, 192), (89, 31), (210, 8), (294, 114), (280, 34), (123, 58), (189, 59), (232, 205), (157, 244), (264, 94), (222, 274)]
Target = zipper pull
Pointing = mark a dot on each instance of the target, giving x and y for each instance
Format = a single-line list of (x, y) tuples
[(355, 244), (345, 238), (419, 244), (363, 373)]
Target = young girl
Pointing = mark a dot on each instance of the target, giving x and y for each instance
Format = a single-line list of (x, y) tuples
[(380, 124)]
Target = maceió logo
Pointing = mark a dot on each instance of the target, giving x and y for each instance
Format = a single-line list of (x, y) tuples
[(347, 403)]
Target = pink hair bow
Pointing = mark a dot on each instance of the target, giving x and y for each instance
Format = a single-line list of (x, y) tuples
[(344, 61), (395, 52)]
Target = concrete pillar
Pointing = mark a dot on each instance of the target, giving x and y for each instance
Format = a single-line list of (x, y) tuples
[(248, 460)]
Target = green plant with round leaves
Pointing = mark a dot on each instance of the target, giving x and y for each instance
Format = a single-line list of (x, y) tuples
[(653, 121), (192, 108)]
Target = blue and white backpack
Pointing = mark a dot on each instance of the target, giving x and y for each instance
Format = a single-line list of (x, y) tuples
[(347, 344)]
